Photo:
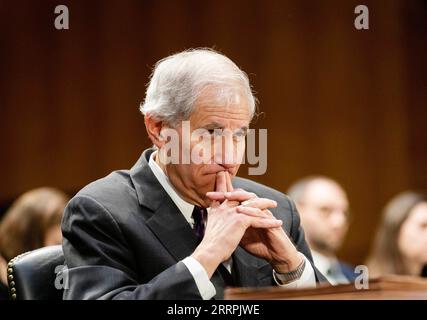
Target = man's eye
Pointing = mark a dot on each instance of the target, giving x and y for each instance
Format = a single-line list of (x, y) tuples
[(325, 210), (215, 132), (240, 134)]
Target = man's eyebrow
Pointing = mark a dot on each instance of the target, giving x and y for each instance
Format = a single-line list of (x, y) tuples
[(213, 125), (216, 125)]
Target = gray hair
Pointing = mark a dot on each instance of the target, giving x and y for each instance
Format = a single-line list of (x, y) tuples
[(178, 80)]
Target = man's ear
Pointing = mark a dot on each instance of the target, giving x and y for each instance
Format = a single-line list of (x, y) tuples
[(154, 128)]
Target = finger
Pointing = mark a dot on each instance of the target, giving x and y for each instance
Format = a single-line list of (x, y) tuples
[(221, 183), (233, 203), (219, 196), (224, 204), (230, 204), (215, 204), (253, 212), (264, 223), (268, 213), (215, 195), (260, 203), (240, 195), (228, 181)]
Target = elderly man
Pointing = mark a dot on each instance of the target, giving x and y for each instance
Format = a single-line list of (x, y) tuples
[(176, 228), (324, 210)]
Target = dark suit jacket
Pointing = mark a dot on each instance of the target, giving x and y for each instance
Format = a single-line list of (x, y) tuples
[(348, 271), (124, 238), (4, 291)]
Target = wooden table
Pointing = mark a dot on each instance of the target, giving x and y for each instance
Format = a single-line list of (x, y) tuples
[(390, 287)]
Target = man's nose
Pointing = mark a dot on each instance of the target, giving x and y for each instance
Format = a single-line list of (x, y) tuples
[(226, 152)]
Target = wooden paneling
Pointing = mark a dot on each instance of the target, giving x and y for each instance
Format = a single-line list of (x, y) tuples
[(345, 103)]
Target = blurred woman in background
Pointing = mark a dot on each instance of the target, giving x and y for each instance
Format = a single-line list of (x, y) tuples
[(400, 246), (33, 221)]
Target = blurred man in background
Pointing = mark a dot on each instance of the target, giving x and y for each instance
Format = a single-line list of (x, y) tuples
[(324, 210)]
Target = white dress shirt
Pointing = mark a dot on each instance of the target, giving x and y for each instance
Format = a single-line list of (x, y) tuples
[(330, 268), (205, 286)]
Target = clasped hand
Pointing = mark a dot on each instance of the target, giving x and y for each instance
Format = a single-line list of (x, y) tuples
[(238, 217)]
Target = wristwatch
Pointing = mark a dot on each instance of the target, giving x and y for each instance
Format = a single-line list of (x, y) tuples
[(288, 277)]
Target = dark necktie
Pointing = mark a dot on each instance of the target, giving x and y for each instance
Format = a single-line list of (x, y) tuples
[(200, 216)]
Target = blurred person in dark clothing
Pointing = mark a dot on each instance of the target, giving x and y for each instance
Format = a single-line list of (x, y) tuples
[(400, 246), (33, 221), (324, 209)]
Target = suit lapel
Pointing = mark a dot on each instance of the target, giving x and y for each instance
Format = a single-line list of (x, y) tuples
[(173, 231), (166, 221)]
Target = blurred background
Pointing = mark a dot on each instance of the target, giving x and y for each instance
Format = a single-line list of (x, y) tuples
[(336, 101)]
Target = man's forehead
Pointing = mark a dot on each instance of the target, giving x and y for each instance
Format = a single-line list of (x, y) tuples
[(220, 114), (228, 97), (326, 192), (224, 95)]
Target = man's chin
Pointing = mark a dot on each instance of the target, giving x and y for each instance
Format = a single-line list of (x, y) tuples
[(334, 248), (207, 184), (203, 200), (329, 248), (207, 203)]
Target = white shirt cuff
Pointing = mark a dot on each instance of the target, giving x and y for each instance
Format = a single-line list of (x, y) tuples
[(205, 286), (307, 279)]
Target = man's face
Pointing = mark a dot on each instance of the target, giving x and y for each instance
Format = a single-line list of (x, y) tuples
[(221, 145), (324, 216)]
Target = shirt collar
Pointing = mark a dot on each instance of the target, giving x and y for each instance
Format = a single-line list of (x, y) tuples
[(185, 207), (323, 263)]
